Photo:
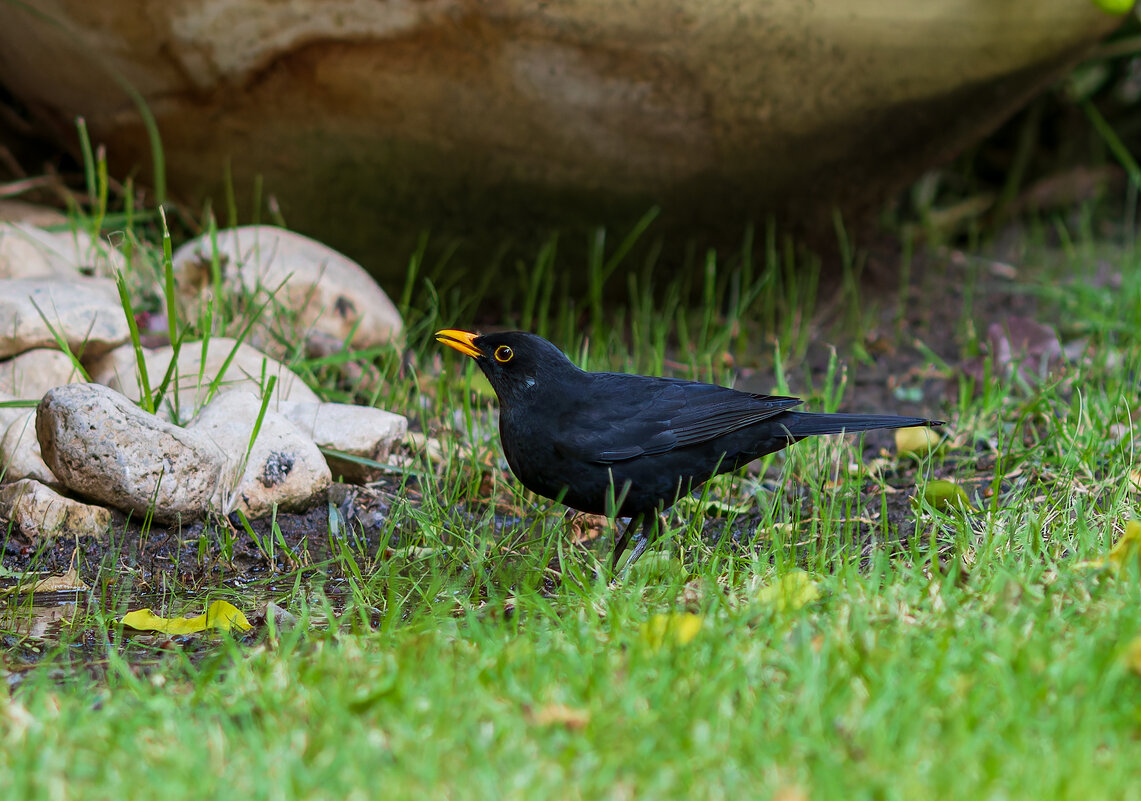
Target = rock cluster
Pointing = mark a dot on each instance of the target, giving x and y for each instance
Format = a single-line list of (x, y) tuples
[(216, 443)]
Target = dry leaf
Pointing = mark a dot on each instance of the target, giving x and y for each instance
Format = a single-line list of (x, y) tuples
[(561, 715), (586, 528), (221, 615), (68, 582)]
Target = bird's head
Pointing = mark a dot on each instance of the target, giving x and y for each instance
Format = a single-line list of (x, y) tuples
[(514, 362)]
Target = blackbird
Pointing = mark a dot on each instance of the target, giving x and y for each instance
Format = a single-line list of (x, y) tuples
[(630, 445)]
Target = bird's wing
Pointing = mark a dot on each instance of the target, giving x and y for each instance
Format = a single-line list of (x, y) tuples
[(625, 419)]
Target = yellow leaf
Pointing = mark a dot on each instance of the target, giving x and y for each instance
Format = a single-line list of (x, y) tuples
[(1133, 655), (1128, 547), (1125, 549), (219, 615), (917, 441), (671, 629), (946, 496), (793, 590)]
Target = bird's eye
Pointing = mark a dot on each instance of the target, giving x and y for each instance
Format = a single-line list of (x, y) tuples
[(503, 354)]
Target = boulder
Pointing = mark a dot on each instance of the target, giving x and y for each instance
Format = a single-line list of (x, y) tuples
[(86, 311), (282, 467), (314, 292), (102, 446), (40, 512)]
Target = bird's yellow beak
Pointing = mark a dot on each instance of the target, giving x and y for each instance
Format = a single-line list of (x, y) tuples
[(463, 341)]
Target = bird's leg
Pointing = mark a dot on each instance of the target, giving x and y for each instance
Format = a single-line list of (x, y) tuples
[(649, 534), (651, 526), (621, 542)]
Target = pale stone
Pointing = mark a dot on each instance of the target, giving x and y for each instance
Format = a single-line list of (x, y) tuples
[(20, 455), (30, 252), (361, 431), (10, 414), (317, 293), (18, 211), (34, 372), (197, 374), (86, 311), (42, 513), (283, 467), (102, 446)]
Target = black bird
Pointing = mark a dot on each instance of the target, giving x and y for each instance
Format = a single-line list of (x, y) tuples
[(631, 445)]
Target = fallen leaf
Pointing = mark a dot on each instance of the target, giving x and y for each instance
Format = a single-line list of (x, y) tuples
[(1133, 655), (586, 528), (68, 582), (794, 590), (1126, 549), (671, 629), (946, 496), (561, 715), (221, 615), (36, 622), (917, 442)]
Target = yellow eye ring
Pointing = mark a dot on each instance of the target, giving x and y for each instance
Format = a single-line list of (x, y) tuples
[(503, 354)]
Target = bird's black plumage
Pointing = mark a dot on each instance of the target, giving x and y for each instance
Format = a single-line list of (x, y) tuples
[(630, 445)]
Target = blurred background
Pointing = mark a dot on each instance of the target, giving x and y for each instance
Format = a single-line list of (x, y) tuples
[(470, 132)]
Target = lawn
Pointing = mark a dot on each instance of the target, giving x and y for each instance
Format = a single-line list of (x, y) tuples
[(823, 626)]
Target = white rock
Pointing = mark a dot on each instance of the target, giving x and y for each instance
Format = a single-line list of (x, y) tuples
[(284, 467), (85, 310), (318, 293), (30, 252), (118, 370), (18, 211), (34, 372), (361, 431), (9, 414), (41, 512), (101, 446), (20, 455)]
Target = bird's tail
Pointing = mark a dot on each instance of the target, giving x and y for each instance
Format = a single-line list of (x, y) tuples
[(807, 424)]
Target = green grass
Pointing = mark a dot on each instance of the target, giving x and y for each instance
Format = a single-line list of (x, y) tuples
[(947, 655), (894, 685)]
